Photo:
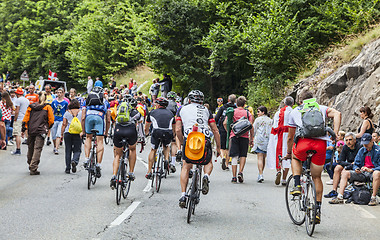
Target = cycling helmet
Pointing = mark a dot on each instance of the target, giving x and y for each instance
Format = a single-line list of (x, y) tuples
[(163, 102), (171, 95), (186, 101), (133, 102), (128, 98), (178, 99), (196, 96)]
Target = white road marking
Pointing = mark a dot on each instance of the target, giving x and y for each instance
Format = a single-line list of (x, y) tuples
[(125, 214), (148, 186), (364, 213)]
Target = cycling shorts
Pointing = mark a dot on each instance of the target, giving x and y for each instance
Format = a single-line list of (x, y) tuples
[(94, 122), (305, 144), (127, 132), (159, 135)]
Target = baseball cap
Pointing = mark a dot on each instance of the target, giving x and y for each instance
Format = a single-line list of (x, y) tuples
[(366, 138)]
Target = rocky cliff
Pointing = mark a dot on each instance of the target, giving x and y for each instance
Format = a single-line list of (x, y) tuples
[(348, 88)]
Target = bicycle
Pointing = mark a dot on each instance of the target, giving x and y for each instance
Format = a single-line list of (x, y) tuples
[(193, 193), (158, 168), (91, 165), (123, 183), (109, 138), (303, 208)]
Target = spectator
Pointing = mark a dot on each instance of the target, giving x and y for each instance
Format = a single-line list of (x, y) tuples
[(341, 136), (220, 104), (31, 96), (239, 145), (376, 138), (2, 132), (262, 129), (112, 83), (130, 85), (98, 83), (154, 89), (366, 168), (73, 95), (346, 161), (134, 88), (166, 85), (6, 106), (73, 142), (21, 105), (8, 76), (90, 84), (37, 125), (366, 126), (59, 106)]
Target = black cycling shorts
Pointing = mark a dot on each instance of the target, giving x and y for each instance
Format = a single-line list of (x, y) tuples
[(238, 147), (127, 132), (159, 135)]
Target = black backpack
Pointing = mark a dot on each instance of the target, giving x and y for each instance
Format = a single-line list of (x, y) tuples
[(313, 123), (361, 195), (95, 97)]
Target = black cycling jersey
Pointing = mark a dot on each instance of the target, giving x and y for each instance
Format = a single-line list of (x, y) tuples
[(161, 118)]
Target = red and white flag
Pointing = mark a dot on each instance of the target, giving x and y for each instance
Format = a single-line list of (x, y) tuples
[(52, 76)]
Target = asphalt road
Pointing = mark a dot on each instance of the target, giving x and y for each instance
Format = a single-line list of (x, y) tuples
[(56, 205)]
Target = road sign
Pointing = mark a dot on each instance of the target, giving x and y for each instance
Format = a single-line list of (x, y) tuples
[(24, 76)]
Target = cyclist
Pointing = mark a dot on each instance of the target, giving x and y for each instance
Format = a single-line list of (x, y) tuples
[(188, 116), (97, 111), (125, 128), (172, 106), (303, 145), (162, 121)]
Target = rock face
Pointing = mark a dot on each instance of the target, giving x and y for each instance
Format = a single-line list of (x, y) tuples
[(350, 87)]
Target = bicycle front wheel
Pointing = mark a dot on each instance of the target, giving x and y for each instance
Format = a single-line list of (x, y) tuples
[(311, 207), (294, 204), (190, 207)]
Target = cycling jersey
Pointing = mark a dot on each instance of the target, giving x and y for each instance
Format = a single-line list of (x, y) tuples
[(98, 110), (161, 118), (195, 113)]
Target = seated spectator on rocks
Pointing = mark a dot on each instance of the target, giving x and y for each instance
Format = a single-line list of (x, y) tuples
[(340, 140), (376, 137), (366, 168), (346, 161)]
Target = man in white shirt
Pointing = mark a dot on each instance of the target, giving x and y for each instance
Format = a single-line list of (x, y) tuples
[(21, 104)]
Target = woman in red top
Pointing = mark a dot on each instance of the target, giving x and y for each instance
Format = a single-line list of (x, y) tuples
[(6, 105)]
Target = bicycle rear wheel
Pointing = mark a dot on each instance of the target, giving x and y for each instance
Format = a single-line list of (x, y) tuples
[(159, 171), (126, 183), (294, 204), (91, 171), (119, 185), (311, 207)]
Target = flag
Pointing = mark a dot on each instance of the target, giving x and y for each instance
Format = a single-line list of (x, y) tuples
[(52, 76)]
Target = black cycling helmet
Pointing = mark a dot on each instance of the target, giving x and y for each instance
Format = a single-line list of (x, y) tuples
[(163, 102), (133, 102), (171, 95), (196, 96)]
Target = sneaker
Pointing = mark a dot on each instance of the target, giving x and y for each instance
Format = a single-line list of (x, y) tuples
[(73, 167), (283, 182), (85, 164), (166, 164), (224, 164), (178, 156), (67, 171), (172, 168), (25, 142), (55, 151), (372, 202), (331, 194), (182, 202), (318, 216), (34, 172), (278, 178), (10, 143), (336, 200), (234, 180), (330, 182), (260, 179), (148, 176), (98, 173), (131, 176), (296, 191), (16, 153), (240, 177), (191, 173), (205, 186), (113, 183)]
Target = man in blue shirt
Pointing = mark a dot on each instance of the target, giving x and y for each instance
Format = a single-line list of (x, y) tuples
[(59, 106)]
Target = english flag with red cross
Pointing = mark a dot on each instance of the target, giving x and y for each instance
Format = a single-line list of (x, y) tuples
[(52, 76)]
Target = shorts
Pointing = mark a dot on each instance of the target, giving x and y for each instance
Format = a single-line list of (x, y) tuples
[(56, 130), (17, 128), (258, 150), (94, 122), (306, 144), (238, 147), (128, 132), (360, 177), (223, 140), (158, 136)]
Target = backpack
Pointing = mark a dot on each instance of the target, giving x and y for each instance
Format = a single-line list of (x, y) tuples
[(313, 123), (361, 195), (123, 113), (95, 97), (241, 126), (75, 125)]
